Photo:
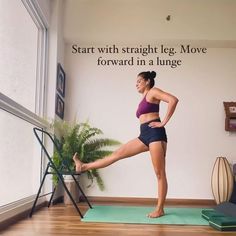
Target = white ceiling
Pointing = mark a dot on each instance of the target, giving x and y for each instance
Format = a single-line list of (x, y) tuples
[(132, 21)]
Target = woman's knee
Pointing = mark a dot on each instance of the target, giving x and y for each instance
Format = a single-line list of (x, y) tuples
[(160, 174), (119, 153)]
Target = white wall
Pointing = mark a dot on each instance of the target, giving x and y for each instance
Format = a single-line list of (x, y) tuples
[(55, 55), (121, 20), (107, 96)]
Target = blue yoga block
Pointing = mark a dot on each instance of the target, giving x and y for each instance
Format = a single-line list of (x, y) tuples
[(225, 223), (208, 213)]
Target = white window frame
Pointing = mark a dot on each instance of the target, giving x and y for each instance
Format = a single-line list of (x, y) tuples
[(20, 111), (38, 18)]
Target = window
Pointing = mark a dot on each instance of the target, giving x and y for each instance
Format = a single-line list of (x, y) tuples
[(23, 40), (20, 159), (18, 58)]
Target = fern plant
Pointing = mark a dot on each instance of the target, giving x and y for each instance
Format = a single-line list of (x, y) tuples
[(87, 141)]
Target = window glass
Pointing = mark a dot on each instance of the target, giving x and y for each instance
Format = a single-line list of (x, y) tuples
[(18, 57), (20, 159)]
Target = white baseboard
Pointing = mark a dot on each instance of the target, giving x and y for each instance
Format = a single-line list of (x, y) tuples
[(18, 207)]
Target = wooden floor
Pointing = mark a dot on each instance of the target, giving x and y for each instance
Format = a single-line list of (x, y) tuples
[(64, 220)]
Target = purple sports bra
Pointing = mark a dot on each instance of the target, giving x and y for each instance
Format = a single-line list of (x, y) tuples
[(145, 107)]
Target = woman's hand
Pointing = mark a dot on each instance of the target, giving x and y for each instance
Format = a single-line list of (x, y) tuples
[(156, 124)]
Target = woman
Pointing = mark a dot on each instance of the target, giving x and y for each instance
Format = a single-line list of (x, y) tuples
[(152, 136)]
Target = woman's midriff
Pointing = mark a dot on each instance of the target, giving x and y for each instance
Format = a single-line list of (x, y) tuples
[(149, 116)]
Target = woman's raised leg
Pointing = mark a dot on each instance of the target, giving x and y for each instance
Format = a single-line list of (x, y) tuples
[(129, 149)]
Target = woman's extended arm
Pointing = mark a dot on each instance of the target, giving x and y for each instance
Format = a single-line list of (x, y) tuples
[(168, 98)]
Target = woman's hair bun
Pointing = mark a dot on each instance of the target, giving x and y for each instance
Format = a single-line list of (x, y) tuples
[(152, 74), (148, 76)]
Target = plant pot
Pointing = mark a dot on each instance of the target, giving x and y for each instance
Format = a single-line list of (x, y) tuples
[(73, 189)]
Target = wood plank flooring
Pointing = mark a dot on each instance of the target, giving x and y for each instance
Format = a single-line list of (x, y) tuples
[(64, 220)]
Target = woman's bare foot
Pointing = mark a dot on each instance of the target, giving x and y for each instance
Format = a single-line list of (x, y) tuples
[(157, 213), (78, 163)]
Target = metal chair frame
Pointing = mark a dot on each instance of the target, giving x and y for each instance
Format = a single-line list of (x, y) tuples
[(64, 169)]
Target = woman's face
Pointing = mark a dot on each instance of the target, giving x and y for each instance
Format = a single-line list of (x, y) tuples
[(141, 84)]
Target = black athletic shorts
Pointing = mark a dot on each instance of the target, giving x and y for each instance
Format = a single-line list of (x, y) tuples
[(149, 135)]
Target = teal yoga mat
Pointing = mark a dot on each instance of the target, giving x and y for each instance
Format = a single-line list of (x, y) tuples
[(138, 215)]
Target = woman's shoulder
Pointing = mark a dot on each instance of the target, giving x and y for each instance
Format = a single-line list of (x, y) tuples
[(154, 90), (154, 94)]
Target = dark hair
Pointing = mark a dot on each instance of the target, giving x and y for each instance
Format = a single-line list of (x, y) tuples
[(148, 75)]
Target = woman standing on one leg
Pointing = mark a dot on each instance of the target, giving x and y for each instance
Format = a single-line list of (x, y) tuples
[(152, 136)]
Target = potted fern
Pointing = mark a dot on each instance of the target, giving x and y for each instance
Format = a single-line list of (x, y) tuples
[(87, 141)]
